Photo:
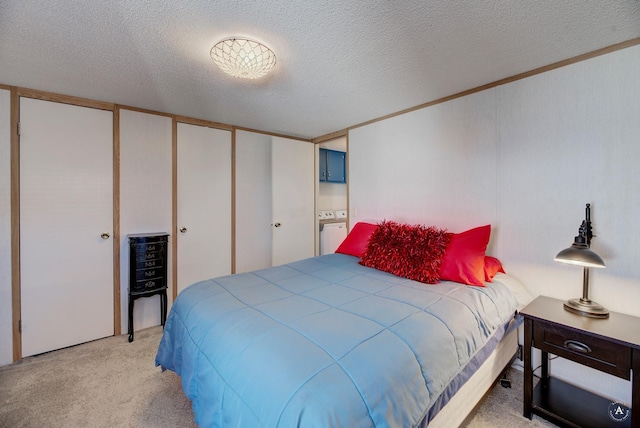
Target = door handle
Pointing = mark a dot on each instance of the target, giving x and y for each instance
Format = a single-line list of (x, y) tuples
[(183, 229), (105, 235)]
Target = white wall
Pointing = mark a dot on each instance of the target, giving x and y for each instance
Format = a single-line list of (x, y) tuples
[(435, 166), (525, 157), (6, 334), (145, 201)]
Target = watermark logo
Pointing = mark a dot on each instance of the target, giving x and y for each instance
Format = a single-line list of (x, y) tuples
[(619, 412)]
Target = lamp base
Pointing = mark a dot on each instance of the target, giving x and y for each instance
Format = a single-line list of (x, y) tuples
[(586, 308)]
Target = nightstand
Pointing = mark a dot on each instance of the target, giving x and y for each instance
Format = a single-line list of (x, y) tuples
[(609, 345)]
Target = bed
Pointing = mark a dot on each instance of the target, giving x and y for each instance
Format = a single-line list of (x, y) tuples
[(328, 342)]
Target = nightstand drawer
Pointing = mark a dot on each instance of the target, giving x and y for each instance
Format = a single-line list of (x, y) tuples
[(609, 357)]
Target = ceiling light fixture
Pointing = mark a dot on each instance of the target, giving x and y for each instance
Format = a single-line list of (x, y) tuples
[(243, 58)]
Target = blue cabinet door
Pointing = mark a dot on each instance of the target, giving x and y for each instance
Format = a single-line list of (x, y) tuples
[(323, 165), (332, 166)]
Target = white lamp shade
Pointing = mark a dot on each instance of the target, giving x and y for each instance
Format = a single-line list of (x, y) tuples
[(243, 58)]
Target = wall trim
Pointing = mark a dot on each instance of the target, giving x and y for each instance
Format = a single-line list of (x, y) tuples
[(174, 209), (273, 134), (116, 223), (143, 110), (16, 303), (331, 136), (539, 70), (202, 122), (64, 99), (233, 201)]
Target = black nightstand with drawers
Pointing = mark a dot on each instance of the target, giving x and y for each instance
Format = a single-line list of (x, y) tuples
[(147, 271), (609, 345)]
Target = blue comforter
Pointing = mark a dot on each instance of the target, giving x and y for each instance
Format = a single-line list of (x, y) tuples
[(324, 342)]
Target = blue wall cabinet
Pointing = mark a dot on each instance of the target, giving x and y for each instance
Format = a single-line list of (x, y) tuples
[(332, 166)]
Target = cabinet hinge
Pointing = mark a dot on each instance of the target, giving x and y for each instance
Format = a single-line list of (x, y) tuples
[(20, 326), (19, 128)]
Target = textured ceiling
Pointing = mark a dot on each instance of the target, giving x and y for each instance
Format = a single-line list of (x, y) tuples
[(339, 63)]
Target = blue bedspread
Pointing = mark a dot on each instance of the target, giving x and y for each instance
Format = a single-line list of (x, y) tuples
[(324, 342)]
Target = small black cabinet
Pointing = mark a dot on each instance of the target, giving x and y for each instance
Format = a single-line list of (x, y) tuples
[(332, 166), (147, 271)]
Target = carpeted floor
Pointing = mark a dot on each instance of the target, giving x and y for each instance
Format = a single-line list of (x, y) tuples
[(113, 383)]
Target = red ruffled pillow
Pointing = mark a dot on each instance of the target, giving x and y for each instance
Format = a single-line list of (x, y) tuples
[(463, 260), (413, 252), (356, 241), (491, 267)]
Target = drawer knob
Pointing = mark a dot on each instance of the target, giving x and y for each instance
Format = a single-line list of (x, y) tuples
[(183, 230), (574, 345)]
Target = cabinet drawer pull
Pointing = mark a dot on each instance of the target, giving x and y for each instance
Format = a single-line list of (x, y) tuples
[(574, 345)]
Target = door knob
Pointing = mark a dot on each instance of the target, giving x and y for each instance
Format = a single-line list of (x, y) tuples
[(183, 230), (105, 235), (277, 225)]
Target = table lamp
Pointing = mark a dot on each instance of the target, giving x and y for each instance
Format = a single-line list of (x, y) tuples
[(580, 254)]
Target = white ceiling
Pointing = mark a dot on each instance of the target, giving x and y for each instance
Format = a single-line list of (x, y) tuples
[(339, 62)]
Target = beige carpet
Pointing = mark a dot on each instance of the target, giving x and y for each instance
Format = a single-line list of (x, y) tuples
[(113, 383)]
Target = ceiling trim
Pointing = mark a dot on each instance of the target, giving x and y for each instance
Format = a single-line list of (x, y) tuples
[(273, 134), (144, 110), (202, 122), (539, 70), (331, 136), (64, 99)]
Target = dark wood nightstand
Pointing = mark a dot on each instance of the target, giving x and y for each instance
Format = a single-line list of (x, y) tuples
[(609, 345)]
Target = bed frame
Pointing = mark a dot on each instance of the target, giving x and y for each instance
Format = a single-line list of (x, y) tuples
[(461, 406)]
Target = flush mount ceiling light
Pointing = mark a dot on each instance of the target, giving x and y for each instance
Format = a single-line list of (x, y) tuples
[(243, 58)]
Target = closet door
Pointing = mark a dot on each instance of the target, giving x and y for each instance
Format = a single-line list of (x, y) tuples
[(253, 201), (275, 183), (293, 181), (204, 203), (66, 225)]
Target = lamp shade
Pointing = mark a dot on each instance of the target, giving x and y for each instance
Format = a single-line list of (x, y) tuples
[(244, 58), (581, 255)]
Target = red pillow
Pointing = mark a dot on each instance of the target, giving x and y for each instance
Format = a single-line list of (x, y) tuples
[(464, 259), (413, 252), (356, 241), (491, 267)]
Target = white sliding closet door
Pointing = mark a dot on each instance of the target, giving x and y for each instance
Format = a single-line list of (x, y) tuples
[(253, 201), (66, 225), (293, 181), (204, 203), (275, 183)]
